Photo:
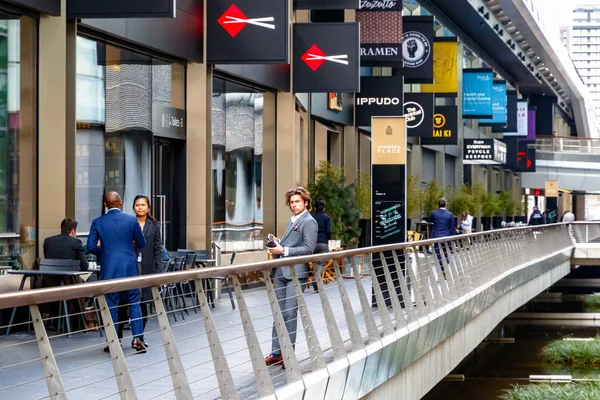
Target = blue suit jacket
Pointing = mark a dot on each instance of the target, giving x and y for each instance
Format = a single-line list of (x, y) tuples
[(443, 224), (117, 232)]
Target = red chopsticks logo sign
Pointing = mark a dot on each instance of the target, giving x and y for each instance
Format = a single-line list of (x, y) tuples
[(234, 20), (314, 58)]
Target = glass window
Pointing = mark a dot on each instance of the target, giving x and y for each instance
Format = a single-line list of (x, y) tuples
[(117, 91), (237, 133), (18, 161)]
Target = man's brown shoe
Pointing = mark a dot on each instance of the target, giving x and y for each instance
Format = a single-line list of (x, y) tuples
[(274, 360), (138, 346)]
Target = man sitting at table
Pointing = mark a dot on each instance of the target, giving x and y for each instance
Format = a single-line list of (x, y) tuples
[(66, 246)]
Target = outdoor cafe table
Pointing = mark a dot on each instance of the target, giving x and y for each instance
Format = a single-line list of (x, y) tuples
[(33, 273)]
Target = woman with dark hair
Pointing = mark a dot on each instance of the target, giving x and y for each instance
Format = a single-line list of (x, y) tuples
[(150, 258)]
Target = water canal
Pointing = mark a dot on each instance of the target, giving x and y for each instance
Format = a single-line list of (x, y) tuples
[(498, 364)]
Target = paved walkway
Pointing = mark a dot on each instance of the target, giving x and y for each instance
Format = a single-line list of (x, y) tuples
[(87, 371)]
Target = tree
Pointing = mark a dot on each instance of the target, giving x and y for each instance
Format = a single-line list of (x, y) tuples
[(433, 192), (507, 203), (341, 202), (414, 197), (460, 200), (362, 187)]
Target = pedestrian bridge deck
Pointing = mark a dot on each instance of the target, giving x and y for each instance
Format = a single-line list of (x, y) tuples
[(345, 347)]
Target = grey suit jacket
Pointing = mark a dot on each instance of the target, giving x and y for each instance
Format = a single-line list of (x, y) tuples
[(301, 239)]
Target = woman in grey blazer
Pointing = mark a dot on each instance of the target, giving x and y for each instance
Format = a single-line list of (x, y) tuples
[(150, 258)]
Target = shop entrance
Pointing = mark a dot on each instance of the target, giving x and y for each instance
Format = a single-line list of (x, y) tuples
[(168, 190)]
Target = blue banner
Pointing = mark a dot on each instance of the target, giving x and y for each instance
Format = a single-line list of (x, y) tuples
[(477, 93), (498, 105)]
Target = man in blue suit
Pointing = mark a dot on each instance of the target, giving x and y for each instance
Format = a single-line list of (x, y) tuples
[(113, 236), (443, 226)]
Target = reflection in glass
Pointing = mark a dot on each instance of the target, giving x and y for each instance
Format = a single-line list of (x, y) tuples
[(17, 142), (237, 167), (116, 89)]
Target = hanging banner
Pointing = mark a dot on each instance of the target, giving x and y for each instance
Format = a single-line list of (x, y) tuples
[(417, 48), (445, 63), (388, 135), (248, 32), (445, 127), (498, 105), (477, 93), (380, 32), (326, 58), (418, 111), (511, 114), (120, 9), (551, 188), (379, 97), (531, 124), (484, 151), (520, 157), (522, 113), (326, 4)]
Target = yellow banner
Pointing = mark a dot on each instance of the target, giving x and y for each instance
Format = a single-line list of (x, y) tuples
[(551, 188), (388, 136), (445, 62)]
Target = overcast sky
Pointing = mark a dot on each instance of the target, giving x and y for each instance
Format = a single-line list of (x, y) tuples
[(559, 12)]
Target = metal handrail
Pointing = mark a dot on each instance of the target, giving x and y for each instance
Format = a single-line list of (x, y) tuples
[(21, 298)]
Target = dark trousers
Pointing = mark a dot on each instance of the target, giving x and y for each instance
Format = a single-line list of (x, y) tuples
[(119, 315), (439, 249)]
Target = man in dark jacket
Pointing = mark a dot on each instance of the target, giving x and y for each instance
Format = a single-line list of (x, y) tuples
[(536, 217), (443, 226), (66, 246)]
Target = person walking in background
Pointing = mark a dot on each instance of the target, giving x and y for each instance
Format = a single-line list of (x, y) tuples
[(117, 231), (536, 217), (299, 239), (324, 223), (466, 225), (150, 257), (568, 217), (443, 226)]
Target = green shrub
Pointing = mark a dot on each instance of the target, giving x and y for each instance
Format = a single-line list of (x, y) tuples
[(573, 352), (554, 391), (432, 193)]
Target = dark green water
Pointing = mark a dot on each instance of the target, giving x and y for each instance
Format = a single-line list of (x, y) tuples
[(492, 368)]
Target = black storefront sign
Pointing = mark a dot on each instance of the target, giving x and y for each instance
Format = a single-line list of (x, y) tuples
[(483, 151), (379, 97), (248, 32), (168, 121), (417, 49), (418, 110), (50, 7), (120, 9), (511, 113), (380, 32), (326, 4), (326, 58), (445, 127)]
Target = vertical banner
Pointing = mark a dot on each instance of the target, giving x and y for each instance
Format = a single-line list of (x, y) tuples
[(445, 64), (380, 32), (498, 105), (477, 93), (388, 194), (531, 124), (522, 114), (551, 188), (511, 114), (445, 127), (417, 48), (388, 135), (418, 110)]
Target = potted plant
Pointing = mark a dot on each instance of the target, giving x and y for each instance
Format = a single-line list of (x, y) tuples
[(431, 194), (508, 205), (478, 193), (489, 209), (362, 187), (341, 202)]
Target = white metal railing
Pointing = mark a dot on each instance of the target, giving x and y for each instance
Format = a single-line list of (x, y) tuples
[(219, 351), (568, 145)]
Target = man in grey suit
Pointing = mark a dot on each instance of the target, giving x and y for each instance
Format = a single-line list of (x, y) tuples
[(300, 239)]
